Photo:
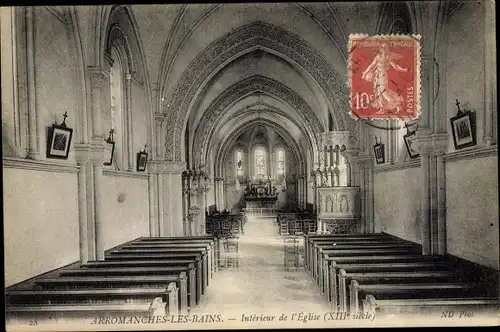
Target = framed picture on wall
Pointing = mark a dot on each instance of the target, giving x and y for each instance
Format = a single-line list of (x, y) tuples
[(59, 141), (463, 127), (379, 151), (409, 137), (142, 160)]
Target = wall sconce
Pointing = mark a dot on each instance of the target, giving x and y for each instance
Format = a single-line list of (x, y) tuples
[(379, 151), (110, 148)]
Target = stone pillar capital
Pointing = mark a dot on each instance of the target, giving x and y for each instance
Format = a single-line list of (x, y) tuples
[(97, 154), (82, 153), (159, 117), (423, 144), (163, 166), (365, 161), (440, 143), (97, 76)]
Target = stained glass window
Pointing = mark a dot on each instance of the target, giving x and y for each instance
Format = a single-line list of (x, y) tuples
[(239, 162), (280, 160), (260, 161)]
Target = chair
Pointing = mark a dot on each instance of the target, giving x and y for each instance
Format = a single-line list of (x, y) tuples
[(283, 227), (291, 252), (231, 253)]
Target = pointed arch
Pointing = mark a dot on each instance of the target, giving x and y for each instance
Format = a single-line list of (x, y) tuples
[(274, 39)]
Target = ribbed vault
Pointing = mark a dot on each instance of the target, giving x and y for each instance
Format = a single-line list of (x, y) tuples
[(260, 111), (261, 35), (218, 110)]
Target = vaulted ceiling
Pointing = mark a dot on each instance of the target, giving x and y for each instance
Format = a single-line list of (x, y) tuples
[(221, 68)]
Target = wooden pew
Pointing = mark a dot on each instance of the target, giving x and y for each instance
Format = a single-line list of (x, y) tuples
[(379, 265), (145, 264), (173, 247), (20, 312), (309, 239), (420, 307), (25, 305), (213, 242), (309, 243), (190, 270), (87, 296), (320, 249), (384, 277), (354, 251), (176, 254), (413, 290), (89, 282), (63, 313), (207, 244)]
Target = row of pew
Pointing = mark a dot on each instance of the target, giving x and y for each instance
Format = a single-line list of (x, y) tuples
[(382, 274), (293, 223), (225, 225), (148, 276)]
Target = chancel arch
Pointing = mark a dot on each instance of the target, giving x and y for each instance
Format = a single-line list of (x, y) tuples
[(212, 59), (254, 85), (220, 147)]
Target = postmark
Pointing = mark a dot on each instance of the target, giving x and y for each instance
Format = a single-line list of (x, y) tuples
[(384, 77)]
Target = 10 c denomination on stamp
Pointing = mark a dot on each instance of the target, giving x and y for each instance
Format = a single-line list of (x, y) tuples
[(384, 76)]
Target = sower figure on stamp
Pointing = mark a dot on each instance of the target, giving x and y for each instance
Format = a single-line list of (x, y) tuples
[(377, 73)]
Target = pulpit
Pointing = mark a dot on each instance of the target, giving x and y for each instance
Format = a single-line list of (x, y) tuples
[(338, 210)]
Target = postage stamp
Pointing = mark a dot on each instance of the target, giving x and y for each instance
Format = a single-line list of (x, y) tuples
[(384, 76)]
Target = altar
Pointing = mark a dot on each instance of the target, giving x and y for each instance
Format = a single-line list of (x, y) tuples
[(261, 199)]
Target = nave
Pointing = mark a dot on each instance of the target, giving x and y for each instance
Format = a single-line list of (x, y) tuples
[(137, 139), (261, 284)]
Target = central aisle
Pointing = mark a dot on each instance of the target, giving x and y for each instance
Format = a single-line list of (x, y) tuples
[(261, 285)]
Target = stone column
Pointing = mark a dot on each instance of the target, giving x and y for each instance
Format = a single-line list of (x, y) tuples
[(33, 117), (222, 194), (159, 118), (440, 144), (330, 177), (365, 182), (303, 184), (327, 158), (301, 191), (423, 144), (155, 167), (317, 184), (82, 156), (97, 163), (152, 206), (129, 132), (490, 96), (350, 155), (216, 191), (97, 78), (171, 179)]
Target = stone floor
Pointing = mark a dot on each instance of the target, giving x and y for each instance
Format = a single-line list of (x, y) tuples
[(261, 285)]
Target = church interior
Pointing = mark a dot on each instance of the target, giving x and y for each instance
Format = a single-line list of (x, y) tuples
[(198, 165)]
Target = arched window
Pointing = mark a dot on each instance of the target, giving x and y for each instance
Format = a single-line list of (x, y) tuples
[(239, 163), (260, 161), (117, 106), (280, 162)]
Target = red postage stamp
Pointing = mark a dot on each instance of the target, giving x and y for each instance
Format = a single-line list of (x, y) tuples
[(384, 76)]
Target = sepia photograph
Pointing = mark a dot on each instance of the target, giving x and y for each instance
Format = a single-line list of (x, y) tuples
[(262, 200)]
